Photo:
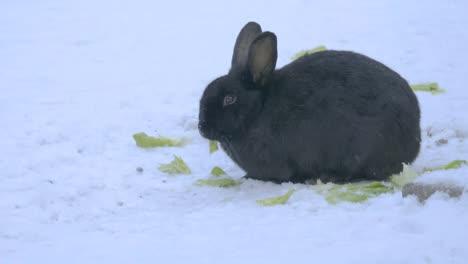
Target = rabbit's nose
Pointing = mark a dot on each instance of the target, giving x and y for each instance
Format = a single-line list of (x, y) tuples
[(202, 128), (202, 125)]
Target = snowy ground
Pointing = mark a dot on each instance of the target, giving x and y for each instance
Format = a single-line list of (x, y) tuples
[(78, 78)]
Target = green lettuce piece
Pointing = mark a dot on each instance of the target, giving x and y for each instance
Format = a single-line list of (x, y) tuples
[(360, 192), (405, 176), (452, 165), (455, 164), (373, 188), (429, 87), (177, 166), (225, 182), (144, 141), (213, 146), (276, 200), (310, 51), (355, 193), (217, 171), (336, 197)]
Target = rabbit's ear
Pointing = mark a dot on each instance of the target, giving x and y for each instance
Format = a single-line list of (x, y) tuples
[(241, 49), (262, 57)]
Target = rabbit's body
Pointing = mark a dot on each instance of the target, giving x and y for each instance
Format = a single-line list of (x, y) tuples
[(333, 115)]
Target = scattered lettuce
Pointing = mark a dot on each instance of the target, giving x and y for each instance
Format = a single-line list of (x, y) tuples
[(177, 166), (348, 196), (335, 193), (276, 200), (144, 141), (360, 192), (225, 182), (310, 51), (455, 164), (452, 165), (429, 87), (213, 146), (217, 171)]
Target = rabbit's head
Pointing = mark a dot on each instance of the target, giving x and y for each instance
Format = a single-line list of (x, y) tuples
[(232, 102)]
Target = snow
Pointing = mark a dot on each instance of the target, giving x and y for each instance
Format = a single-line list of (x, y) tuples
[(79, 78)]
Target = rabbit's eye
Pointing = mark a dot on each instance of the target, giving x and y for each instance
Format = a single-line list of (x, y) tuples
[(229, 100)]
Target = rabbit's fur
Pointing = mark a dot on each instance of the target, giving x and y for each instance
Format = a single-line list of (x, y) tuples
[(333, 115)]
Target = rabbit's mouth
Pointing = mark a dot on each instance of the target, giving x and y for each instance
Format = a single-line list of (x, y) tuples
[(211, 133), (207, 131)]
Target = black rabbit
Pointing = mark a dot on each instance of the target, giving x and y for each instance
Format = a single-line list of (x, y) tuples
[(333, 115)]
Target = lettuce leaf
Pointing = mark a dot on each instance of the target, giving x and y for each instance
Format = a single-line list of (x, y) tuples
[(429, 87), (276, 200), (144, 141), (217, 171), (354, 193), (406, 176), (452, 165), (177, 166), (213, 146), (310, 51), (225, 182)]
